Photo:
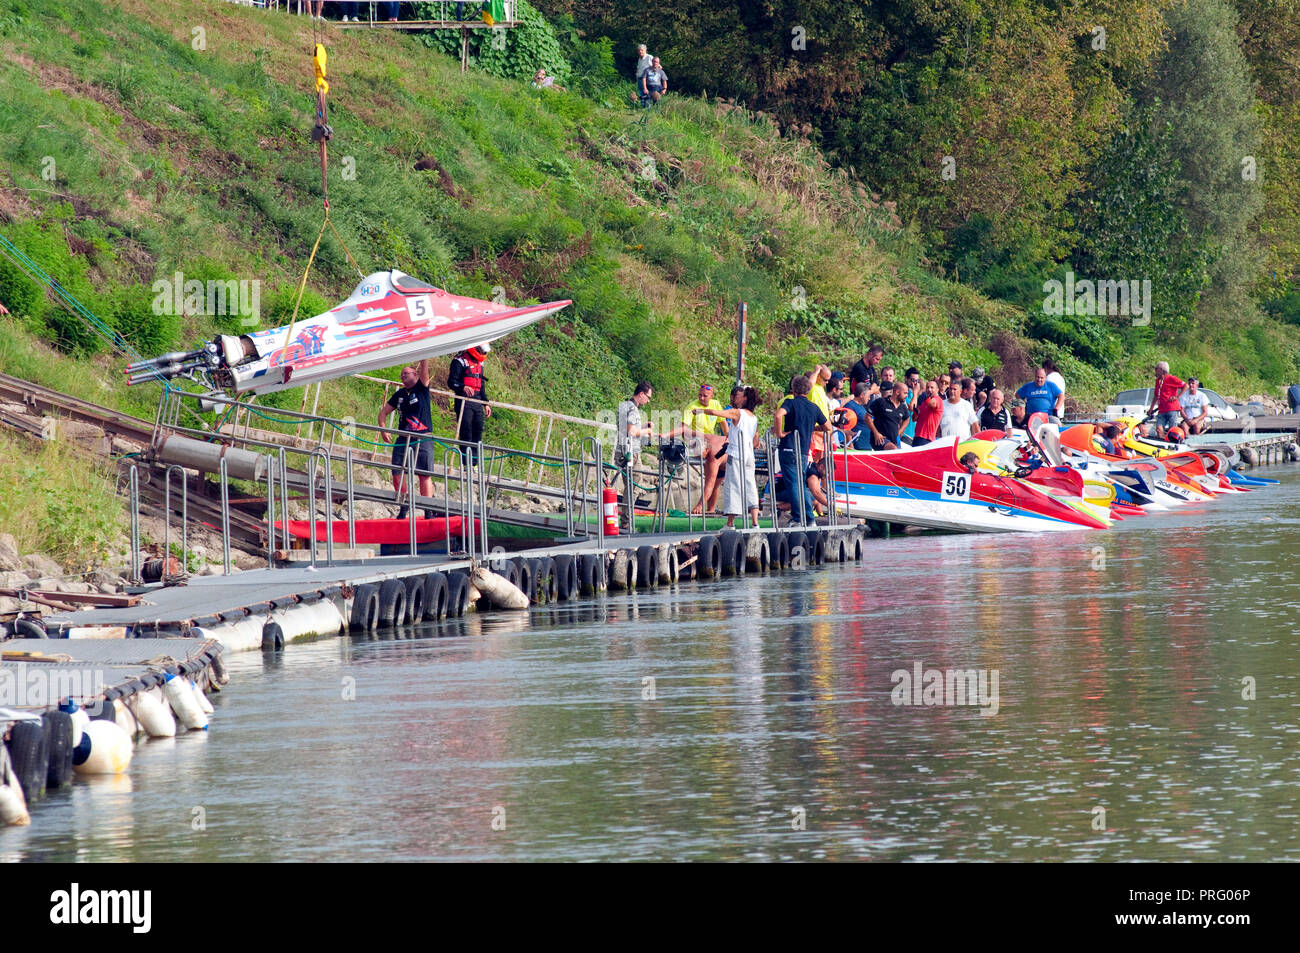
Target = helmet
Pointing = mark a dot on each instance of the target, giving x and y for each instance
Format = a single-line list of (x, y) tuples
[(844, 418), (1176, 434), (479, 351)]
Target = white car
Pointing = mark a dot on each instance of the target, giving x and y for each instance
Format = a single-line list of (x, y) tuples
[(1134, 403)]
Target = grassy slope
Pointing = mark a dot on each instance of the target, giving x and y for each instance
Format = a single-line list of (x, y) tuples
[(172, 158)]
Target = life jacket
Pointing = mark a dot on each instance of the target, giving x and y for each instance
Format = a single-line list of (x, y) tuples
[(472, 384)]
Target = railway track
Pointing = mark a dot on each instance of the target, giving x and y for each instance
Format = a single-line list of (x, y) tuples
[(45, 400)]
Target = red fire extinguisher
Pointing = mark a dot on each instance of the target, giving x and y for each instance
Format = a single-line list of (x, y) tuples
[(609, 501)]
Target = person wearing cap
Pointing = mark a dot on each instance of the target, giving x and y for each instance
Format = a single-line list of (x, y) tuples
[(467, 382), (1019, 419), (1195, 407), (955, 371), (415, 423), (696, 417), (984, 386)]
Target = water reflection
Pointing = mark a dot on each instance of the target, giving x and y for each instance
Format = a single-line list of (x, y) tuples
[(688, 721)]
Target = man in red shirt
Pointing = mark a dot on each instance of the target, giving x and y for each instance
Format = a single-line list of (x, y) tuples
[(1165, 399), (929, 410)]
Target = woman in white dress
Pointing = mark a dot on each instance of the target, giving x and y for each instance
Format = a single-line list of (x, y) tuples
[(740, 489)]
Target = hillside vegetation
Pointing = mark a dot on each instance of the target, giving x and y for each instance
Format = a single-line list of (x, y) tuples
[(143, 138)]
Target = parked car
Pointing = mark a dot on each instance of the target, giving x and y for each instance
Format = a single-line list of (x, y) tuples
[(1134, 403)]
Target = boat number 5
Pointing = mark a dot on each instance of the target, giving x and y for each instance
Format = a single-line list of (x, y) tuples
[(418, 308), (956, 486)]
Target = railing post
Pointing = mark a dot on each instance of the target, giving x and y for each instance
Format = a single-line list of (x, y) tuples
[(352, 501), (408, 462), (284, 496), (568, 496), (600, 509), (482, 508), (136, 578), (270, 511), (225, 517)]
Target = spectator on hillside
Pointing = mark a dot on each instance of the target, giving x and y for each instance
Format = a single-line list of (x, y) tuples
[(542, 81), (958, 415), (955, 371), (654, 83), (643, 62), (1164, 397), (865, 369), (1195, 407), (983, 387), (387, 11)]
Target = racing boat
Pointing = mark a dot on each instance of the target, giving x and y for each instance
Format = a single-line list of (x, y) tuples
[(927, 486), (389, 319)]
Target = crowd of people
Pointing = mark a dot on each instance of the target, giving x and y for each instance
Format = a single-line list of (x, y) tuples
[(870, 409)]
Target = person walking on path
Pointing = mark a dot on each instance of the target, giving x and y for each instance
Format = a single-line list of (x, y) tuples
[(466, 380), (654, 83), (1164, 398), (415, 424), (740, 488), (643, 62)]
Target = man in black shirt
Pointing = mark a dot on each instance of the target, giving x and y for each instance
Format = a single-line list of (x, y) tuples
[(886, 416), (865, 370), (995, 416), (796, 419), (411, 402)]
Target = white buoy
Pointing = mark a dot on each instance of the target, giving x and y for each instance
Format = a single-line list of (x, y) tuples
[(498, 590), (188, 713), (154, 716), (123, 718), (104, 749), (79, 718), (205, 706), (13, 806)]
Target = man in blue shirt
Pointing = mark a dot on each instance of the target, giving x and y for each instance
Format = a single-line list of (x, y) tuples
[(1041, 396), (861, 435)]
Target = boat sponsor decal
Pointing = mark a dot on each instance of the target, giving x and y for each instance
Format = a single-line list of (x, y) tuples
[(369, 289), (309, 342), (1175, 489)]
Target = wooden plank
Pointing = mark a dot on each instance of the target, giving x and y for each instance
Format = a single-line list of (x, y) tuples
[(82, 598)]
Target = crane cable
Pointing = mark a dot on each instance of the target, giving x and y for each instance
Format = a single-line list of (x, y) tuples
[(321, 133)]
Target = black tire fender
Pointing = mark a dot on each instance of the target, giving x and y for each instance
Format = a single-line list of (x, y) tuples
[(365, 607), (58, 731), (435, 597), (416, 599), (392, 602), (709, 561), (647, 566)]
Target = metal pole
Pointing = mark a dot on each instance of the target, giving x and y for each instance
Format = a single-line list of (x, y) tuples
[(270, 511), (408, 461), (284, 495), (568, 496), (225, 517), (329, 506), (802, 489), (771, 481), (135, 524), (482, 509), (600, 511), (446, 498), (742, 333), (352, 501), (311, 506)]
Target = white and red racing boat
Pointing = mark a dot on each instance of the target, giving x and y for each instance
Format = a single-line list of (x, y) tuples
[(389, 319)]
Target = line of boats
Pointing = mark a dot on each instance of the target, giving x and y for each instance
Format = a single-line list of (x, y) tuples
[(1045, 479)]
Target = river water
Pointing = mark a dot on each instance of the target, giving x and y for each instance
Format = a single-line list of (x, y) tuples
[(757, 718)]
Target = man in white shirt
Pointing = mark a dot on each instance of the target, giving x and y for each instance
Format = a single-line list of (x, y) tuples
[(1054, 375), (1195, 407), (958, 415)]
